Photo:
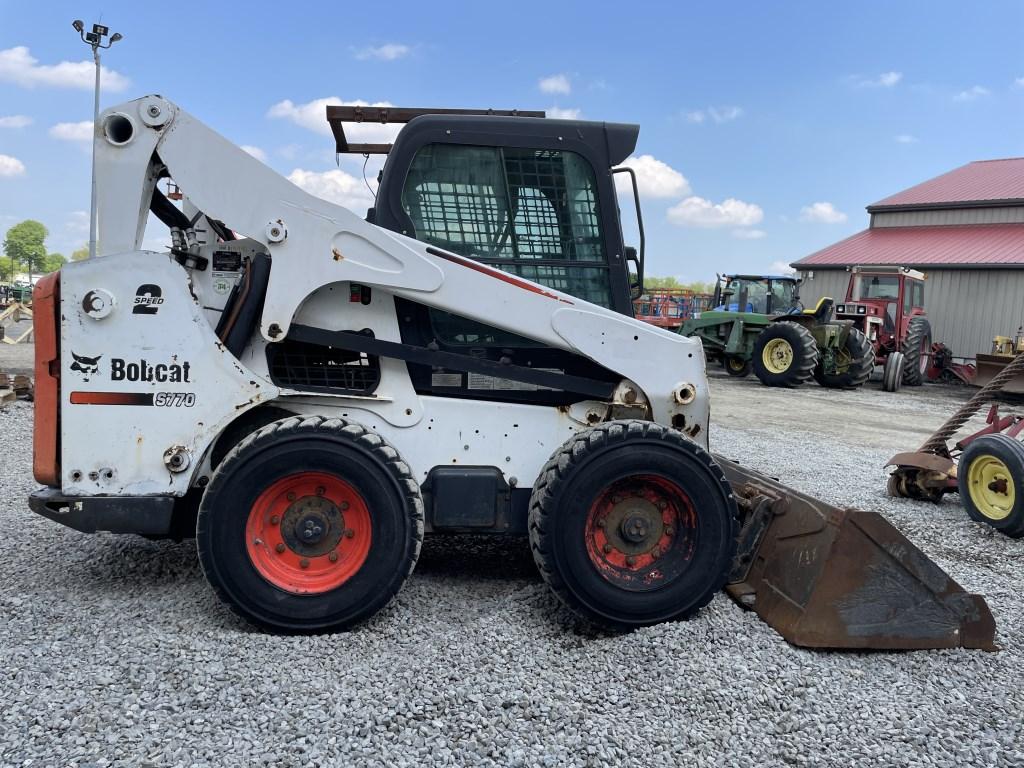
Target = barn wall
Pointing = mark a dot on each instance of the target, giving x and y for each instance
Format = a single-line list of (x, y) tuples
[(966, 307), (949, 216)]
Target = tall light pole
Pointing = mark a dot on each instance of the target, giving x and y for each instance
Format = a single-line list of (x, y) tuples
[(94, 40)]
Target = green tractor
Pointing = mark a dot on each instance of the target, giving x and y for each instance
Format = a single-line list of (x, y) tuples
[(759, 324)]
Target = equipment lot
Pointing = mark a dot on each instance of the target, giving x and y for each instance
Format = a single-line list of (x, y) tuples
[(119, 653)]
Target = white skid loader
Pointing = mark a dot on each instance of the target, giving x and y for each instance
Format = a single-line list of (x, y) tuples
[(307, 392)]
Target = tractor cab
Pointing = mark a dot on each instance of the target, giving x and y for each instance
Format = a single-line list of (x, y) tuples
[(881, 301), (760, 294)]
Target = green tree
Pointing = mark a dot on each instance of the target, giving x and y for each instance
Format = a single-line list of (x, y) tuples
[(53, 262), (25, 247), (80, 254), (672, 283)]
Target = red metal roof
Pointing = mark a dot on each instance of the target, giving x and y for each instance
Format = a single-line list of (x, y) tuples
[(980, 181), (965, 246)]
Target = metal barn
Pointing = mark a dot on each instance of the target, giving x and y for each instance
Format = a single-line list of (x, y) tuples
[(965, 231)]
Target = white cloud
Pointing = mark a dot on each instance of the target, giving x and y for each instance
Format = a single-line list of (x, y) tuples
[(15, 121), (718, 115), (822, 212), (724, 114), (558, 113), (749, 234), (1019, 82), (335, 186), (18, 66), (77, 223), (698, 212), (884, 80), (256, 152), (72, 131), (654, 178), (555, 84), (972, 93), (906, 138), (11, 166), (781, 268), (313, 116), (386, 52)]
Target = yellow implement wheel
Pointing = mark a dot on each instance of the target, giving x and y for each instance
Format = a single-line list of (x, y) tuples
[(990, 475), (991, 487), (777, 355)]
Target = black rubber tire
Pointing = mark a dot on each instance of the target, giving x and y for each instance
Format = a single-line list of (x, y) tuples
[(919, 334), (862, 363), (805, 355), (588, 464), (334, 446), (892, 372), (1011, 453), (742, 367)]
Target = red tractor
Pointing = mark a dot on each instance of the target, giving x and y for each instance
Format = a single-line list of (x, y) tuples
[(887, 305)]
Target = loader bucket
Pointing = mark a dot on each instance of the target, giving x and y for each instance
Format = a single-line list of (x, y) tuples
[(990, 365), (825, 577)]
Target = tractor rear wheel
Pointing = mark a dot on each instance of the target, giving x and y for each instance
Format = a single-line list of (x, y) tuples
[(309, 525), (892, 372), (917, 349), (736, 366), (632, 524), (854, 364), (785, 354), (990, 477)]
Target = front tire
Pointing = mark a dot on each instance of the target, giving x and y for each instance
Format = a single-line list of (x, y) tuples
[(892, 372), (785, 355), (917, 348), (632, 524), (736, 366), (310, 525), (857, 365), (990, 478)]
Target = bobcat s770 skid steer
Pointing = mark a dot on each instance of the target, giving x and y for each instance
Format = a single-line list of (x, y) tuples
[(307, 392)]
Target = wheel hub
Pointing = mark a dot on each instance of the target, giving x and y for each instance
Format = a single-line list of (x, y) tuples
[(640, 532), (312, 526)]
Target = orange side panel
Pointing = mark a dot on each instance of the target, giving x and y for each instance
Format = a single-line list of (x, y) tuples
[(46, 435)]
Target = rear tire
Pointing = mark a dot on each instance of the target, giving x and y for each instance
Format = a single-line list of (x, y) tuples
[(861, 362), (990, 477), (310, 525), (785, 354), (632, 524), (917, 347), (736, 366), (892, 372)]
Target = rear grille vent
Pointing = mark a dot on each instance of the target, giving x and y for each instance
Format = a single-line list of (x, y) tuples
[(312, 367)]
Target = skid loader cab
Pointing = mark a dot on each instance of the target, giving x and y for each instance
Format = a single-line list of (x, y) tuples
[(531, 196)]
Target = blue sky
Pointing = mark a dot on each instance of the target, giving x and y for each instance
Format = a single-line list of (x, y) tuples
[(765, 127)]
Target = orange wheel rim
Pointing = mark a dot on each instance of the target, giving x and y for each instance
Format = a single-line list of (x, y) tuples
[(308, 533), (641, 532)]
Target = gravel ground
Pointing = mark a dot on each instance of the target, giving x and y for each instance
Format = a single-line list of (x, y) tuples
[(117, 653)]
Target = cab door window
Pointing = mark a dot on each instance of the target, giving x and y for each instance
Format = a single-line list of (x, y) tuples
[(531, 212)]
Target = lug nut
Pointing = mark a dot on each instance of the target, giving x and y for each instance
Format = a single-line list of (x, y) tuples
[(279, 548), (631, 561), (349, 533), (343, 506), (669, 530), (661, 505), (320, 490), (607, 548), (601, 523), (274, 519), (304, 563), (333, 557), (616, 499), (656, 553), (290, 496)]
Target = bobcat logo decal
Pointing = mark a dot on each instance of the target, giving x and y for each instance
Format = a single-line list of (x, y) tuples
[(86, 366)]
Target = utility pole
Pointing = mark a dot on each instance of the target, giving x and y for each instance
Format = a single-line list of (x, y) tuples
[(94, 40)]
